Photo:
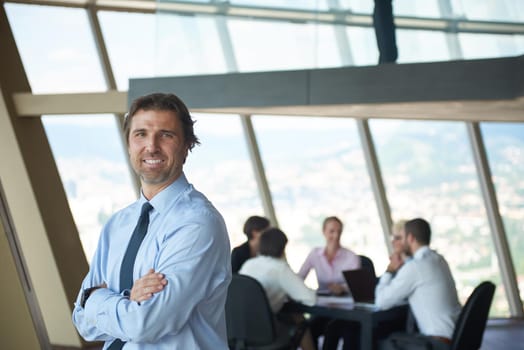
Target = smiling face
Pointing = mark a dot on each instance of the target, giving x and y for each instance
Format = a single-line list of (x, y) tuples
[(332, 231), (157, 149)]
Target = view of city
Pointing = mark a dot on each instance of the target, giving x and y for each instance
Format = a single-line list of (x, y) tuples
[(315, 168)]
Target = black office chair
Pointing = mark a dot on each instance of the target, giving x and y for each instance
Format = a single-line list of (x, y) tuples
[(250, 321), (367, 263), (473, 318), (469, 328)]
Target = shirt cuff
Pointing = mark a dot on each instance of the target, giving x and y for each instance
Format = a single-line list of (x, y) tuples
[(386, 277)]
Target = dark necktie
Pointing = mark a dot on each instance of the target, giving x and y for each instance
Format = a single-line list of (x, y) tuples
[(128, 263)]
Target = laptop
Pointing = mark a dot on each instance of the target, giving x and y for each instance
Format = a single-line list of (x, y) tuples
[(361, 284)]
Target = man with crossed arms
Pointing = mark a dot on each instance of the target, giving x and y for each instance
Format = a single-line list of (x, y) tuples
[(182, 268)]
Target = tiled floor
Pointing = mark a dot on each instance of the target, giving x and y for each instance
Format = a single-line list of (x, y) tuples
[(500, 334), (504, 334)]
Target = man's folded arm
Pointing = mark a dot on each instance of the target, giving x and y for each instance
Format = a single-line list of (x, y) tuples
[(186, 260), (393, 291), (85, 326)]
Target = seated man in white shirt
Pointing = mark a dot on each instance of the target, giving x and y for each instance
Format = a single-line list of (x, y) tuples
[(271, 269), (425, 281)]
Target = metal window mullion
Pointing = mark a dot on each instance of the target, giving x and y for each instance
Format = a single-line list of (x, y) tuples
[(258, 169), (502, 250), (455, 50), (341, 37), (109, 77), (375, 175), (226, 43), (247, 125)]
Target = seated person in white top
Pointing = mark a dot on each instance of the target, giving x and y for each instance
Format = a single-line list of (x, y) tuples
[(271, 269), (425, 281)]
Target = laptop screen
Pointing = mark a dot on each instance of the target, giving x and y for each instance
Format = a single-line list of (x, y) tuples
[(361, 284)]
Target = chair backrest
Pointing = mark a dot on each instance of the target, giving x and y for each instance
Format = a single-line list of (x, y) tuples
[(249, 318), (367, 263), (473, 318)]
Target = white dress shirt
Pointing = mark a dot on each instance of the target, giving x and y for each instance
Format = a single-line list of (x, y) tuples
[(279, 281), (427, 284)]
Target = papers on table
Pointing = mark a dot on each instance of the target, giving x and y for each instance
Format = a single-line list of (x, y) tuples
[(335, 300), (345, 302)]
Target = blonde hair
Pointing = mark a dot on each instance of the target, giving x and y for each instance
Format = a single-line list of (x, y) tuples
[(332, 218), (398, 225)]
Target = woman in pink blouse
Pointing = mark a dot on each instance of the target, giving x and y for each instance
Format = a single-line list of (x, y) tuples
[(329, 262)]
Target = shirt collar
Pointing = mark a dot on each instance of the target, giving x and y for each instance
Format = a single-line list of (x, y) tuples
[(421, 252), (322, 251), (164, 198)]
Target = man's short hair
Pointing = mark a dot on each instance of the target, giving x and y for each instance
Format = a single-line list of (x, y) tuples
[(420, 230), (163, 102), (272, 243), (255, 223)]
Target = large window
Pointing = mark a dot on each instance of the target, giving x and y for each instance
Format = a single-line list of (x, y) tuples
[(58, 53), (490, 10), (93, 168), (220, 168), (505, 148), (315, 169), (123, 32), (261, 45), (314, 166), (421, 46), (187, 45), (488, 45), (429, 172)]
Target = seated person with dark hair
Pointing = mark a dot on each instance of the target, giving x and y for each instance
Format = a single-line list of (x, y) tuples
[(253, 227), (271, 270), (425, 282)]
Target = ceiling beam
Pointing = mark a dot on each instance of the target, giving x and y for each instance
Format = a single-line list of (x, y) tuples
[(474, 90), (344, 17), (34, 105)]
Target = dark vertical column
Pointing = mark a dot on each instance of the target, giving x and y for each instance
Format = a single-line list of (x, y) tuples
[(385, 31)]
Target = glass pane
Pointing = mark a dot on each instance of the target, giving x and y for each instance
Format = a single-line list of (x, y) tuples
[(302, 4), (56, 60), (93, 167), (429, 172), (261, 45), (421, 46), (221, 169), (123, 31), (357, 6), (183, 0), (490, 45), (416, 8), (187, 45), (505, 148), (315, 168), (490, 10), (363, 45)]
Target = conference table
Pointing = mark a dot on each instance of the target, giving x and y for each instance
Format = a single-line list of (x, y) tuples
[(373, 322)]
